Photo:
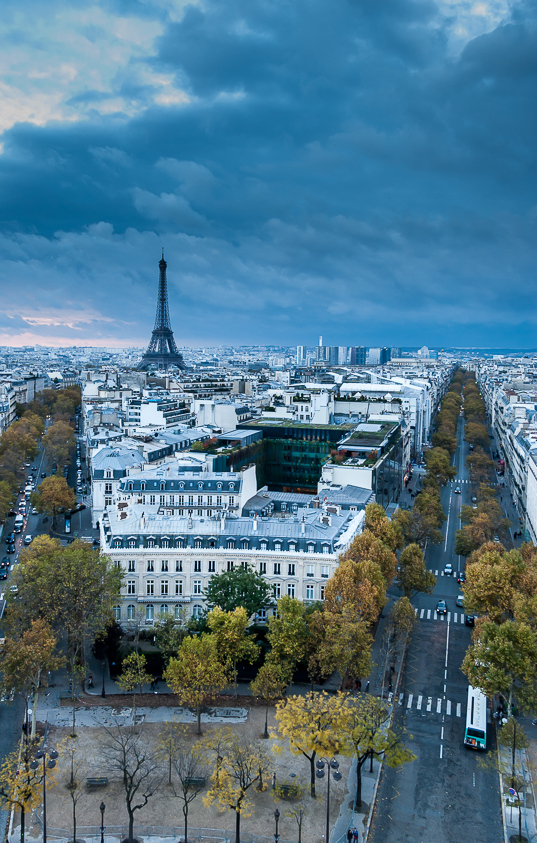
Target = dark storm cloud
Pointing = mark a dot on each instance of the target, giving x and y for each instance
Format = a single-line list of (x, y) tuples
[(341, 168)]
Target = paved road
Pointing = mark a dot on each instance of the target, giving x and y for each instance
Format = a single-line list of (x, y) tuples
[(445, 795)]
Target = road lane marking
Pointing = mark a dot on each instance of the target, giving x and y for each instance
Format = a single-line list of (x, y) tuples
[(438, 706), (429, 703), (420, 699), (441, 747), (409, 701), (448, 707), (442, 734), (458, 709), (441, 617), (449, 616)]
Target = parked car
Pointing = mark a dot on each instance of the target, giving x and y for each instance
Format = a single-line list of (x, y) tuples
[(441, 607), (27, 539), (11, 538), (43, 474), (10, 548), (460, 600), (469, 620), (461, 578), (4, 563), (3, 574), (496, 539)]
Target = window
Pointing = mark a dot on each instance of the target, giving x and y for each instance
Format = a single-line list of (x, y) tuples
[(311, 548), (164, 609), (131, 566), (177, 613), (212, 566), (178, 565), (151, 543), (231, 486), (108, 488), (263, 545), (117, 563), (180, 543), (277, 568), (164, 566), (180, 499), (262, 616), (218, 485), (198, 543), (142, 485), (291, 589), (232, 500), (262, 567), (292, 547), (178, 588), (131, 586), (200, 512), (117, 613), (200, 500), (197, 612), (230, 544), (163, 588), (291, 569), (130, 612), (149, 613), (244, 544), (310, 571), (165, 543), (277, 546), (197, 566), (150, 587), (108, 473), (200, 485), (130, 486), (326, 548), (108, 501), (151, 499), (229, 565), (325, 572), (191, 499), (132, 543), (197, 586), (310, 591), (150, 566), (219, 500), (277, 590), (322, 590), (209, 500), (172, 500)]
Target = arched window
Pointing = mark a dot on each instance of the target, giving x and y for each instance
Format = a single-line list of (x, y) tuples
[(117, 542), (130, 486), (164, 609), (130, 612), (149, 613), (162, 485), (142, 485), (197, 612), (117, 613)]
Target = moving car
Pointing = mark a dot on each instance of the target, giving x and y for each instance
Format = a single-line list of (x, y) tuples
[(27, 539), (10, 548), (441, 607), (496, 539), (469, 620), (460, 600), (448, 569), (457, 491), (5, 562), (461, 578)]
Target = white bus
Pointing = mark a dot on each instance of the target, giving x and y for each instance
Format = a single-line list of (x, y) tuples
[(19, 523), (475, 734)]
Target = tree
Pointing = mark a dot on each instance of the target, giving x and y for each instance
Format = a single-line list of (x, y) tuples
[(133, 676), (287, 633), (413, 576), (493, 580), (299, 808), (365, 733), (437, 462), (417, 528), (52, 496), (197, 672), (479, 465), (25, 661), (169, 635), (504, 661), (342, 643), (128, 753), (239, 587), (239, 766), (312, 725), (78, 604), (232, 639), (75, 784), (270, 683), (58, 442), (378, 523), (359, 584), (190, 782), (513, 738), (20, 786), (368, 548), (6, 497)]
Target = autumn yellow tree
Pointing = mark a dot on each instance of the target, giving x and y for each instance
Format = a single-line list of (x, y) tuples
[(312, 724), (197, 673), (359, 584), (52, 496), (341, 641), (368, 548), (288, 633), (133, 677), (269, 685), (234, 643), (59, 441), (21, 787), (239, 766)]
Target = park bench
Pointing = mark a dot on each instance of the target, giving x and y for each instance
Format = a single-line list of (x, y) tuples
[(97, 781), (288, 790), (66, 695), (195, 781)]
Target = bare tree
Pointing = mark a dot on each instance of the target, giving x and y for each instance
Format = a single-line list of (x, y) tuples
[(128, 753), (75, 783), (189, 770)]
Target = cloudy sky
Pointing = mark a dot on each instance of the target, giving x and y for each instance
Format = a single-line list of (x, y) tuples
[(360, 169)]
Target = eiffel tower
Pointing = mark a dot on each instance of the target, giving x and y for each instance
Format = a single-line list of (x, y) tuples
[(162, 352)]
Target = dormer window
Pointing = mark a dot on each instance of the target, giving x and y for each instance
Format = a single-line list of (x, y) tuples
[(181, 485), (130, 486), (142, 485), (218, 485), (231, 486), (108, 473), (200, 485), (162, 485)]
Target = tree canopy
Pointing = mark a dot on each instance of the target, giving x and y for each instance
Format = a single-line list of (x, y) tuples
[(241, 586)]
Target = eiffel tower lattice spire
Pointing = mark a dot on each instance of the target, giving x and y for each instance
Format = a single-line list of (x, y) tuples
[(162, 352)]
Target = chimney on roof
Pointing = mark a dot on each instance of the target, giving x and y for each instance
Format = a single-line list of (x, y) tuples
[(255, 522), (303, 526)]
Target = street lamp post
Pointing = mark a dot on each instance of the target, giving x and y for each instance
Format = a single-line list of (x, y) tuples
[(103, 692), (277, 819), (332, 766), (102, 806), (44, 754)]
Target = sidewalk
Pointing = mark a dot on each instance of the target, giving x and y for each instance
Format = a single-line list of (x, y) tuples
[(518, 806)]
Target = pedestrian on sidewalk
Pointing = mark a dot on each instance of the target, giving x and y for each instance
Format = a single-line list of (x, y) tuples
[(355, 834), (90, 681), (367, 687), (349, 835)]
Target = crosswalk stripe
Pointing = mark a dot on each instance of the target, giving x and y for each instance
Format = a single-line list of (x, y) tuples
[(422, 613), (429, 703), (436, 573), (428, 614), (409, 701), (454, 617), (420, 700), (441, 617), (458, 709), (415, 612), (449, 616), (438, 706), (448, 707)]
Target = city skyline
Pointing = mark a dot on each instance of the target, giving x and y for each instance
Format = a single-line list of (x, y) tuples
[(361, 171)]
